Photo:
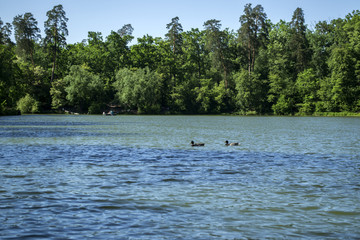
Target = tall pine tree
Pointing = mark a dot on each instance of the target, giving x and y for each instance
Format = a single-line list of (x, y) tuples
[(56, 32)]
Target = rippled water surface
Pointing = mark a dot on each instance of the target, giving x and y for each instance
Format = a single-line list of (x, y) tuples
[(137, 177)]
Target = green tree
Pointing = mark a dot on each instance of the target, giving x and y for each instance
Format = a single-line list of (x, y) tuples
[(56, 32), (84, 89), (282, 92), (11, 87), (140, 89), (118, 49), (217, 45), (341, 89), (194, 53), (5, 32), (95, 38), (253, 32), (174, 35), (352, 28), (26, 34), (307, 86), (205, 96), (175, 39), (251, 94), (223, 98), (145, 53), (325, 102), (345, 87), (58, 94), (126, 32), (321, 41), (299, 44), (193, 67), (96, 55), (183, 96)]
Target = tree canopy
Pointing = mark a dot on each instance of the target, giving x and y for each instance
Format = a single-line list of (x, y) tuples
[(281, 68)]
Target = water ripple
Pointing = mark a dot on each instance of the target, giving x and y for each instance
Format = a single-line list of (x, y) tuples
[(117, 190)]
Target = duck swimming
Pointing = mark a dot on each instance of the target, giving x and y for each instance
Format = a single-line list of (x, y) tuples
[(231, 144), (197, 144)]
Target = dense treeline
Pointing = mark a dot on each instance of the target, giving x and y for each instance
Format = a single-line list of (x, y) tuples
[(262, 68)]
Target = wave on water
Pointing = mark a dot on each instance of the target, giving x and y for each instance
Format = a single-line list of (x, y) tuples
[(90, 191)]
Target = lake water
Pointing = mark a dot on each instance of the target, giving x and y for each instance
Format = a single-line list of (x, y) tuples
[(137, 177)]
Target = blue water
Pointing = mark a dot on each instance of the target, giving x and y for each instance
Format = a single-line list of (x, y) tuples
[(137, 177)]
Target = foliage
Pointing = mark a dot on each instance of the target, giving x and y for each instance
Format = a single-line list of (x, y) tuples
[(28, 104), (216, 44), (139, 90), (281, 81), (83, 89), (5, 32), (298, 41), (56, 32), (11, 87), (253, 32), (307, 87), (263, 68), (174, 35), (58, 94), (26, 34), (250, 92)]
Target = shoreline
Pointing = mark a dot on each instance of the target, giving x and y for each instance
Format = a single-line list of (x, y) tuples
[(319, 114)]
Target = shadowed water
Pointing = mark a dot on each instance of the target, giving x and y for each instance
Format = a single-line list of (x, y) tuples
[(136, 177)]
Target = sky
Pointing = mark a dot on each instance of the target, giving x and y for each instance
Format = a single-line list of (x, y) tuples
[(152, 16)]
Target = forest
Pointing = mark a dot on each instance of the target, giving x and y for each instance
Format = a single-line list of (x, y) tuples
[(262, 68)]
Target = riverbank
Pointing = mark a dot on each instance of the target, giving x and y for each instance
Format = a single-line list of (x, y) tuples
[(322, 114), (120, 111)]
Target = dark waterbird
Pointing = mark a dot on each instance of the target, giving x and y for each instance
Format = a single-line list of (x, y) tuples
[(197, 144), (231, 144)]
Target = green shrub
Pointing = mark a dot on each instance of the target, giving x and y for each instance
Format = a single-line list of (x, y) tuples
[(28, 104)]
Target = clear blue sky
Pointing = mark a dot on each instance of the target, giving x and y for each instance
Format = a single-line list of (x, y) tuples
[(151, 16)]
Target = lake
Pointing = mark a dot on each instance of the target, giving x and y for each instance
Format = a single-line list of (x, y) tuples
[(137, 177)]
